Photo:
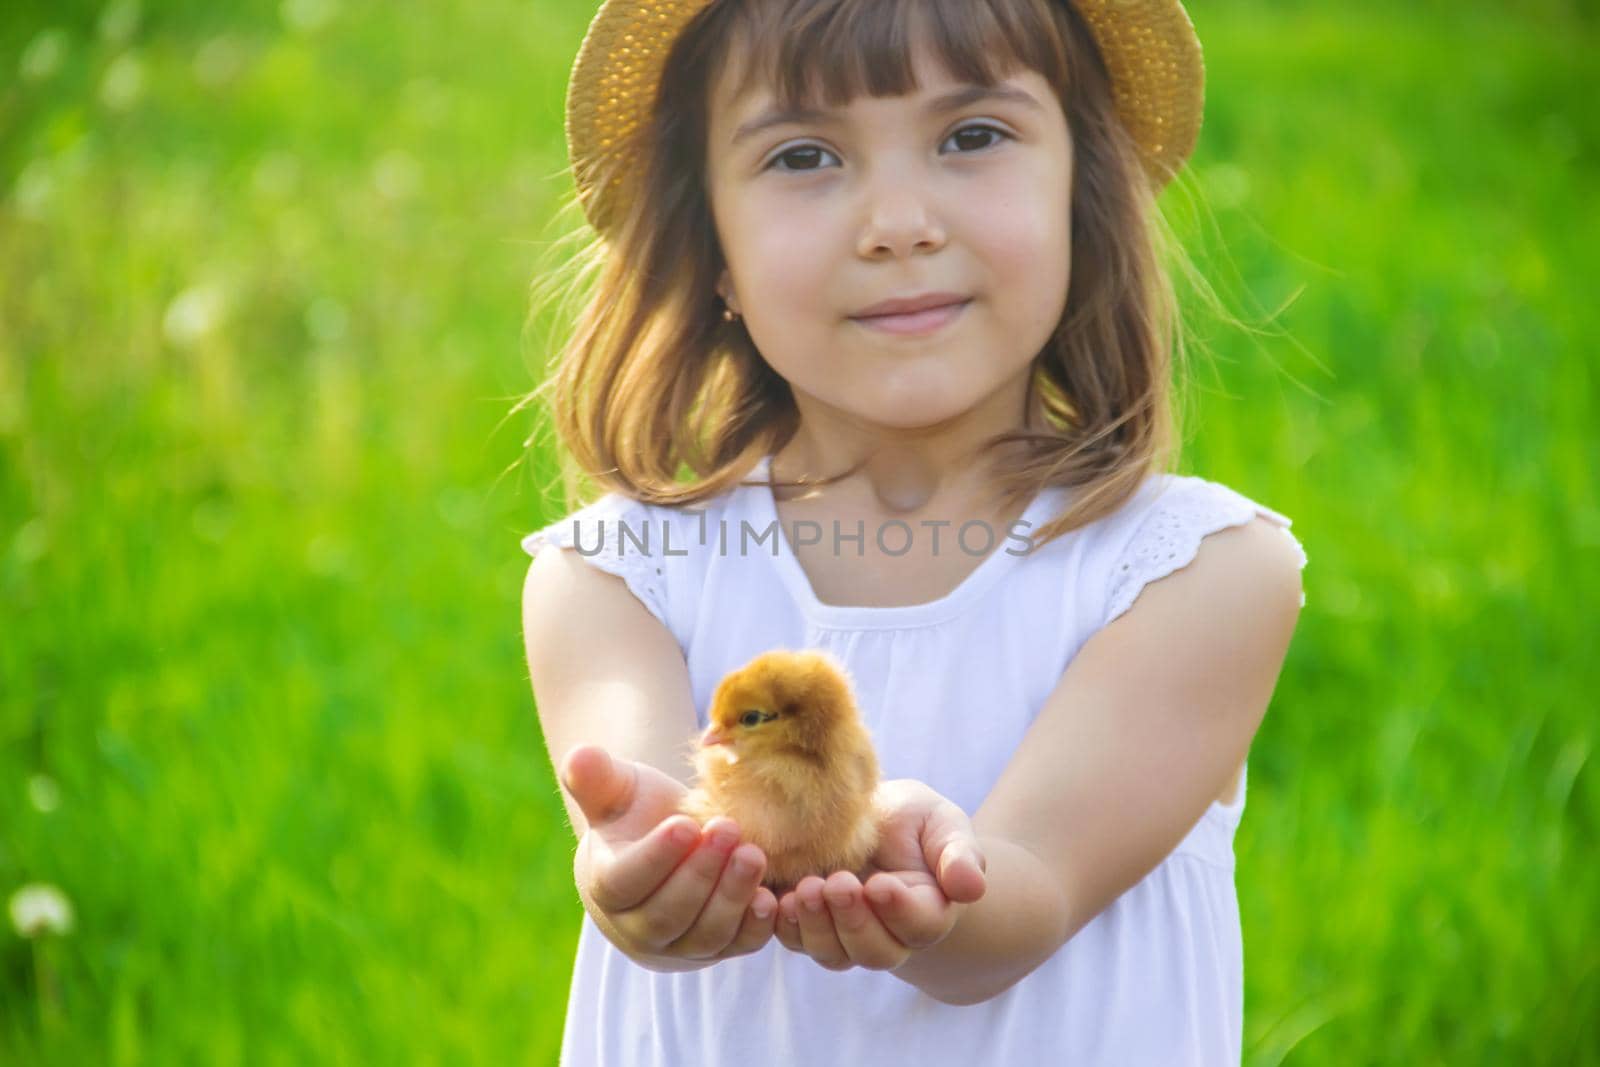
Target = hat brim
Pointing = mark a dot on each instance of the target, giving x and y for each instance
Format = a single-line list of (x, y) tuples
[(1149, 47)]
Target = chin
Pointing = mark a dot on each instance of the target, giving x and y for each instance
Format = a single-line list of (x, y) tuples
[(914, 412), (913, 395)]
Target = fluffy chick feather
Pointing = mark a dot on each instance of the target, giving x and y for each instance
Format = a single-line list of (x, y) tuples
[(787, 757)]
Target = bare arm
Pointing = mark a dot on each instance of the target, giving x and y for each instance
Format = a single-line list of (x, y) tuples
[(1148, 723), (605, 672)]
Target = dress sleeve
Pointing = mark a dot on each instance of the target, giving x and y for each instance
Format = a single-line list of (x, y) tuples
[(617, 535), (1169, 535)]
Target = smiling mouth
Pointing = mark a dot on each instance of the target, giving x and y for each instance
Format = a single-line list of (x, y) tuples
[(915, 323)]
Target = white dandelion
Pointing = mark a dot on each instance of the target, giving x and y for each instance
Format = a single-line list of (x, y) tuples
[(194, 314), (307, 16), (119, 20), (43, 793), (123, 83), (43, 56), (40, 908)]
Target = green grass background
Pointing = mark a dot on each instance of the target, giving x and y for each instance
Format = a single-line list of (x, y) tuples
[(263, 276)]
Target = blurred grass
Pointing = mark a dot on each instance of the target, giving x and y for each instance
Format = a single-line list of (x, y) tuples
[(263, 273)]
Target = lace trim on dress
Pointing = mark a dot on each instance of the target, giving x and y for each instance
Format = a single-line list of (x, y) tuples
[(615, 534), (1169, 537)]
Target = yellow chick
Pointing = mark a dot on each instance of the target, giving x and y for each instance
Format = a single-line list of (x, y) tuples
[(787, 757)]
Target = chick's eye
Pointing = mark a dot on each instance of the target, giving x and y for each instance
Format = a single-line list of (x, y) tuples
[(750, 718)]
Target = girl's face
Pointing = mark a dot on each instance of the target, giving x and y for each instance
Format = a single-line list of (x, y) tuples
[(822, 216)]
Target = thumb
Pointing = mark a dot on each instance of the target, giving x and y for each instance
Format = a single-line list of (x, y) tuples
[(603, 787), (953, 854)]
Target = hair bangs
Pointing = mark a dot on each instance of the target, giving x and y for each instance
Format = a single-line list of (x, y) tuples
[(826, 53)]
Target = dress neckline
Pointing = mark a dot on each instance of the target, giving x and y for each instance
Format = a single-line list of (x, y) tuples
[(1008, 551)]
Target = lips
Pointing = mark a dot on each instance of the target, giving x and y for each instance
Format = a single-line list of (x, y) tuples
[(915, 323), (907, 305)]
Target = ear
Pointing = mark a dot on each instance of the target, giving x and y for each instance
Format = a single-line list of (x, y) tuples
[(725, 290)]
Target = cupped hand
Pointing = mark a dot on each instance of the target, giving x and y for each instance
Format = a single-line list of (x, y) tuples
[(658, 884), (926, 869)]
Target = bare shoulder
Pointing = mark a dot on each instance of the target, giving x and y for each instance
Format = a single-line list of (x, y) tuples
[(565, 595), (1258, 560), (604, 670), (1253, 568)]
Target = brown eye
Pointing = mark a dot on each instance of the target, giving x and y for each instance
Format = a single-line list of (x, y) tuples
[(805, 153), (981, 129)]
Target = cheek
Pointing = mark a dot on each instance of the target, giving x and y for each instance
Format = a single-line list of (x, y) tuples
[(786, 278), (1028, 255), (784, 257), (1027, 222)]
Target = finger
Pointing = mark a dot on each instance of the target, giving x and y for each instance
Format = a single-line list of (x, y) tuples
[(961, 874), (622, 879), (916, 917), (864, 939), (719, 921), (950, 849), (787, 928), (603, 787), (665, 915), (817, 935), (757, 927)]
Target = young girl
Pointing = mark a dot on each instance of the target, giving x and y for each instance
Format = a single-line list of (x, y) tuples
[(900, 256)]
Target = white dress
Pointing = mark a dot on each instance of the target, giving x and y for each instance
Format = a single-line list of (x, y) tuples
[(947, 689)]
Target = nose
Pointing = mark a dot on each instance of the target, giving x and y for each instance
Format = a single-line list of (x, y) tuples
[(898, 219)]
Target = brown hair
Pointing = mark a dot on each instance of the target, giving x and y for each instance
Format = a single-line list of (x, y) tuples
[(656, 397)]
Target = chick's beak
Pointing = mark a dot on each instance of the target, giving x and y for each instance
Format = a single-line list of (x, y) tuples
[(713, 736)]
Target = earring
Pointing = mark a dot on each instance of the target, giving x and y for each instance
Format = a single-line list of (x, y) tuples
[(728, 314)]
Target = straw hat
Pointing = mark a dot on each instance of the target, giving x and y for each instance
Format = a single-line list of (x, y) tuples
[(1149, 47)]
